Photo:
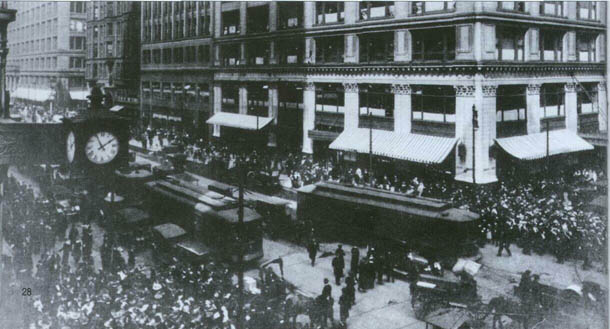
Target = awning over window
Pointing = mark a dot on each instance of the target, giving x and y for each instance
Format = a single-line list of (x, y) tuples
[(79, 95), (33, 94), (533, 146), (403, 146), (166, 117), (241, 121)]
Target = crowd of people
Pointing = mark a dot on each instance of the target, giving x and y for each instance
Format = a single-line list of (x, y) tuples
[(34, 113), (77, 283), (544, 217)]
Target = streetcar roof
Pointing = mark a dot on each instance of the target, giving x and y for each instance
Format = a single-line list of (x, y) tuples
[(195, 247), (169, 230)]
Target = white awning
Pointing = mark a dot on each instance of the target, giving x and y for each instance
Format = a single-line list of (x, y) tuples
[(241, 121), (116, 108), (166, 117), (79, 95), (533, 146), (37, 95), (403, 146)]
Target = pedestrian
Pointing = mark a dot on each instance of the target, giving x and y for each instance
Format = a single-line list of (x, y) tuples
[(65, 254), (504, 241), (337, 270), (354, 260), (312, 249), (77, 251), (327, 290), (351, 290), (344, 306), (389, 266)]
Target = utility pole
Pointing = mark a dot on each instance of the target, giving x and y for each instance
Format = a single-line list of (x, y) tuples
[(240, 246), (548, 151), (475, 126), (3, 183), (370, 149)]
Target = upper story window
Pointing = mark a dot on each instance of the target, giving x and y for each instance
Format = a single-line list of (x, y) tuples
[(516, 6), (329, 50), (551, 8), (377, 47), (430, 7), (156, 56), (586, 98), (511, 103), (258, 100), (290, 51), (230, 98), (376, 100), (434, 44), (258, 53), (77, 7), (329, 12), (376, 9), (230, 54), (586, 47), (203, 54), (77, 26), (551, 45), (586, 10), (257, 19), (204, 17), (290, 14), (552, 100), (433, 103), (230, 22), (178, 55), (167, 56), (509, 44), (146, 57), (330, 98)]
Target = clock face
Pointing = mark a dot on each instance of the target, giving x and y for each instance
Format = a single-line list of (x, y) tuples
[(70, 147), (102, 147)]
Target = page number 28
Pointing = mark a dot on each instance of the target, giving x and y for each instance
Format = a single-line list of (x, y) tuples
[(26, 291)]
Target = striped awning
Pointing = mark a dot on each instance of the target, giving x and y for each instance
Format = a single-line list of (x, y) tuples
[(534, 146), (241, 121), (402, 146)]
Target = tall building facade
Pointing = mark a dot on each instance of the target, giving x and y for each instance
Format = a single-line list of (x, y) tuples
[(450, 85), (113, 49), (47, 46), (176, 70)]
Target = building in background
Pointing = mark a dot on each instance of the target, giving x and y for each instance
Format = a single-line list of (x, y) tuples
[(113, 51), (176, 70), (448, 86), (47, 51)]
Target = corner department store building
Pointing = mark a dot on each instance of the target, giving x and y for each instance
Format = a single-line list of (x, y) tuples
[(324, 76)]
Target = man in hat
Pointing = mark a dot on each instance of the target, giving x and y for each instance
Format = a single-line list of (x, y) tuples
[(312, 249), (354, 260), (344, 306), (504, 239), (327, 290), (337, 270)]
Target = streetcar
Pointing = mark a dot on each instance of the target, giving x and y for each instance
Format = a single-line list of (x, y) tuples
[(210, 218)]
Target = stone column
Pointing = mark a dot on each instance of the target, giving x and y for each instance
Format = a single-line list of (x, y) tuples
[(351, 106), (217, 106), (273, 16), (243, 10), (402, 46), (273, 112), (402, 9), (486, 134), (533, 108), (570, 107), (4, 106), (602, 103), (310, 50), (217, 19), (464, 100), (243, 99), (309, 111), (197, 111), (351, 48), (242, 53), (272, 53), (402, 108), (309, 14), (351, 12)]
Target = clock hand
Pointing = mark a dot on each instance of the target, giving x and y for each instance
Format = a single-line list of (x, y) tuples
[(103, 146), (98, 140)]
